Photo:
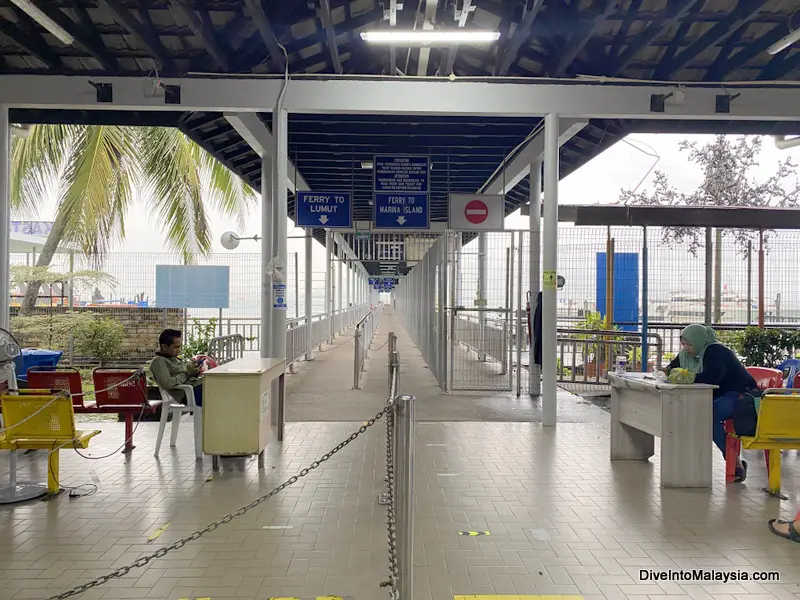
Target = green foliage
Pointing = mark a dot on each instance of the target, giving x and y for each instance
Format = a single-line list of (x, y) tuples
[(50, 330), (100, 338), (592, 320), (25, 275), (199, 338), (763, 347)]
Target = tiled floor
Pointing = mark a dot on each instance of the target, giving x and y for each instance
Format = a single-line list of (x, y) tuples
[(563, 519)]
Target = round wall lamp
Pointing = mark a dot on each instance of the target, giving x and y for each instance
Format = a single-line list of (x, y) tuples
[(230, 241)]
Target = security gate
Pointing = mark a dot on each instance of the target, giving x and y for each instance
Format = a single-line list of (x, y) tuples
[(480, 312)]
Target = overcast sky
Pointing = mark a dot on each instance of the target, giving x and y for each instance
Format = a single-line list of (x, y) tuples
[(599, 181)]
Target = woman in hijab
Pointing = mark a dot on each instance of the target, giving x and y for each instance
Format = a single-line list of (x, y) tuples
[(703, 359)]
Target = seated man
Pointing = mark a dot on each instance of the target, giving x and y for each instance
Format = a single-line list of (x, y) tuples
[(170, 371)]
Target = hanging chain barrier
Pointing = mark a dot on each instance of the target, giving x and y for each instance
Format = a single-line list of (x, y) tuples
[(388, 411)]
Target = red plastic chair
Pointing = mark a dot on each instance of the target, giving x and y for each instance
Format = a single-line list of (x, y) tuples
[(60, 378), (128, 398), (765, 379)]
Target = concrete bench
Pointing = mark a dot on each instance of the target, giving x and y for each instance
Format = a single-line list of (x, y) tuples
[(681, 415)]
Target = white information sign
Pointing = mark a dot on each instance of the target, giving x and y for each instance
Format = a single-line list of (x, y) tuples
[(476, 212)]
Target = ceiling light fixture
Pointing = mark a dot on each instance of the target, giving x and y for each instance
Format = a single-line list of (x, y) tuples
[(424, 38), (784, 43), (42, 19)]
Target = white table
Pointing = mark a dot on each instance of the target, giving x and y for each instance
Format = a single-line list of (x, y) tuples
[(237, 407), (681, 415)]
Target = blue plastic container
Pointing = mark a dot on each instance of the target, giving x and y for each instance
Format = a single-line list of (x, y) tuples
[(35, 357)]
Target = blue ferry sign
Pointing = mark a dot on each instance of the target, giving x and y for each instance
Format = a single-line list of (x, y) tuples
[(402, 185), (401, 211), (329, 210)]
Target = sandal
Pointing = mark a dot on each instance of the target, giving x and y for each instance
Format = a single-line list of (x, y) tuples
[(793, 534), (741, 474)]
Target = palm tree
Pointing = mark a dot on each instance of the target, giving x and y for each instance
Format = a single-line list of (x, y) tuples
[(95, 172)]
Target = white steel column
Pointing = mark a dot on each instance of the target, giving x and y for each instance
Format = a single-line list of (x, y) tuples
[(550, 267), (481, 299), (340, 262), (267, 192), (348, 301), (5, 214), (308, 293), (280, 131), (534, 256), (329, 283), (280, 210)]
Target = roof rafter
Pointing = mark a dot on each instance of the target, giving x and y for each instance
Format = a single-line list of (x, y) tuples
[(135, 27), (714, 71), (675, 43), (744, 12), (781, 65), (23, 35), (521, 36), (84, 33), (204, 33), (622, 34), (676, 11), (256, 10), (746, 54), (580, 37), (326, 19)]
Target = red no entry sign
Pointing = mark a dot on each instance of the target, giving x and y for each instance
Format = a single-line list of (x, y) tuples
[(476, 212)]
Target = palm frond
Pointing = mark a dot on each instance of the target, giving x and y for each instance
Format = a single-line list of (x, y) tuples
[(99, 186), (175, 184), (35, 164)]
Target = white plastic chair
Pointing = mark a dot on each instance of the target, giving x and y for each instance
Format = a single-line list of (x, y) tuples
[(176, 409)]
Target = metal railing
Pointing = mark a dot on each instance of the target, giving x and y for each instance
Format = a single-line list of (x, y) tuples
[(585, 356), (226, 348), (364, 332)]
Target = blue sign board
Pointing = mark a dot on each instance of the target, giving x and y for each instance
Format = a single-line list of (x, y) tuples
[(330, 210), (191, 286), (374, 280), (401, 211), (626, 289), (402, 184)]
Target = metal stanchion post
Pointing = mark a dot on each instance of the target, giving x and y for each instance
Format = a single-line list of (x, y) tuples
[(356, 344), (404, 498), (392, 365)]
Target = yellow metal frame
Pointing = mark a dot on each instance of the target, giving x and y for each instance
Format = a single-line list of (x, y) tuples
[(778, 428), (41, 420)]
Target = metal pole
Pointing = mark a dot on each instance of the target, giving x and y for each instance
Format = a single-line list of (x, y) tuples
[(356, 353), (718, 277), (71, 294), (340, 289), (296, 286), (266, 256), (749, 282), (308, 292), (535, 275), (481, 300), (761, 318), (329, 283), (280, 130), (519, 318), (348, 302), (709, 274), (404, 489), (5, 215), (549, 297), (645, 301)]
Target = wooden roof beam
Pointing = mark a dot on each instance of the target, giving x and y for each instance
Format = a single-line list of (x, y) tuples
[(326, 19), (84, 34), (204, 33), (521, 36), (256, 10), (135, 27), (744, 12), (39, 51)]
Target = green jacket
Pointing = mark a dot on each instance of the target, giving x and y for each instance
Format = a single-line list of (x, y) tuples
[(170, 372)]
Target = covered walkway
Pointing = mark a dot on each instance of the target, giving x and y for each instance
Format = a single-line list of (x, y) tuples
[(563, 519)]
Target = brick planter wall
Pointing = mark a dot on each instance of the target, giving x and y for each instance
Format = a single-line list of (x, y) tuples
[(142, 327)]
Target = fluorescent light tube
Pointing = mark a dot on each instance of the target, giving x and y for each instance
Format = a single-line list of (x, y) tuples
[(784, 43), (440, 36), (42, 19)]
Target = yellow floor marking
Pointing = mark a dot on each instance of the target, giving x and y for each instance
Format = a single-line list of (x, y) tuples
[(157, 533), (517, 597), (474, 534), (318, 598)]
